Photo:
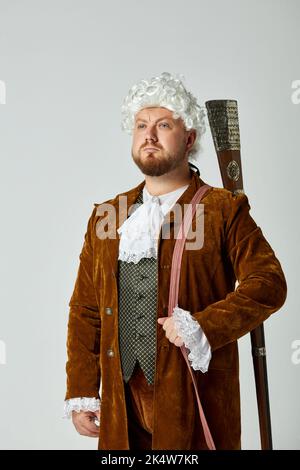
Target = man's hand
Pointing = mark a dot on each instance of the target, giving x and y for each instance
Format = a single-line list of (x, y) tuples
[(170, 329), (84, 422)]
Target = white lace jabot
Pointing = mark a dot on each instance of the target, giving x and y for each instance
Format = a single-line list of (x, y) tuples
[(139, 233)]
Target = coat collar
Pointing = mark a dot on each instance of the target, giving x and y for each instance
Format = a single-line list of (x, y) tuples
[(131, 197), (195, 183)]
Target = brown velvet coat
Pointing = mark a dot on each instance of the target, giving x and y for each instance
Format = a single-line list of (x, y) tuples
[(234, 249)]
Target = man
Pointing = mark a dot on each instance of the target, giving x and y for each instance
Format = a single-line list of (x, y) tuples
[(119, 332)]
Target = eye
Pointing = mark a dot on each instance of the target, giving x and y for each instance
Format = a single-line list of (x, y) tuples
[(162, 123)]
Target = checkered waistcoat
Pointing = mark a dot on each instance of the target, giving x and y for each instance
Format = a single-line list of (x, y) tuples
[(137, 291)]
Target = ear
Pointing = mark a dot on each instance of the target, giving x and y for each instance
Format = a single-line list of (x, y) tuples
[(192, 134)]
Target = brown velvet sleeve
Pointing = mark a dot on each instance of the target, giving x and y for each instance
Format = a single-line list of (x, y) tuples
[(262, 288), (83, 337)]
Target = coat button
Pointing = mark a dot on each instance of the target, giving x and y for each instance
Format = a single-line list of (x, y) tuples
[(110, 353), (108, 311)]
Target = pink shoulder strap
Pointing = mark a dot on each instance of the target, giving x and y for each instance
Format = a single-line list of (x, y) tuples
[(174, 289)]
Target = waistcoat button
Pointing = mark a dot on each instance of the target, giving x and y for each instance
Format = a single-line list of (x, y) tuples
[(110, 353), (108, 311)]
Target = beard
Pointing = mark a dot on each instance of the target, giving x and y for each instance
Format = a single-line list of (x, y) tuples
[(152, 164)]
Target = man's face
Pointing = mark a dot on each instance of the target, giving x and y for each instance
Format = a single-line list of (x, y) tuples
[(169, 137)]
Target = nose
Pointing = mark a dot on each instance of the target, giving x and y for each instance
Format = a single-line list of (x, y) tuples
[(150, 134)]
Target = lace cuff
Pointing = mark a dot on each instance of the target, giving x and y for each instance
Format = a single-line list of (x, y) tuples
[(80, 404), (194, 339)]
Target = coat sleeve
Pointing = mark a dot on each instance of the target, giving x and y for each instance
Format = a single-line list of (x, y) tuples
[(83, 336), (262, 287)]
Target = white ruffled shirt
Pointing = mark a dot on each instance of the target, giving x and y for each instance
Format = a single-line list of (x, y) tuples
[(139, 233), (139, 239)]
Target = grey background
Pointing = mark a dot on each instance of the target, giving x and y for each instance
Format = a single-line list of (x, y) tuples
[(67, 66)]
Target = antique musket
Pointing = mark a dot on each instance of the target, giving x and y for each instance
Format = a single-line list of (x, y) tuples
[(224, 125)]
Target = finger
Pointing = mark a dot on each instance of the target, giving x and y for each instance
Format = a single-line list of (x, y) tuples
[(91, 426), (92, 434), (81, 429), (85, 421), (162, 321), (81, 415), (166, 324), (178, 342), (172, 336), (171, 330), (90, 431), (95, 417), (85, 432)]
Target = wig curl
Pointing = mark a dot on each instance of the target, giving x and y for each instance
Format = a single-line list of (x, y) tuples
[(169, 92)]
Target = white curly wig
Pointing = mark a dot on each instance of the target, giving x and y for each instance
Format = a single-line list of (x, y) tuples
[(169, 92)]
